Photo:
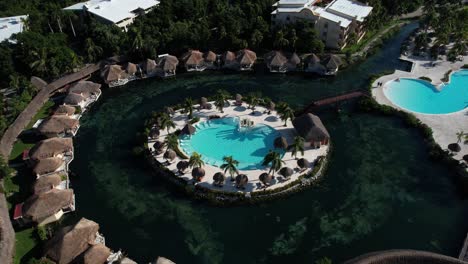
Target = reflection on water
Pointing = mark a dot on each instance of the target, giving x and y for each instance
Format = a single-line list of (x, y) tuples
[(381, 190)]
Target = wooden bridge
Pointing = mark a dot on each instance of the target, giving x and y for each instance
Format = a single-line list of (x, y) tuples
[(348, 95)]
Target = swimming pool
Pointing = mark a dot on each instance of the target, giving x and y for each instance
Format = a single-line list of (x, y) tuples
[(217, 138), (422, 97)]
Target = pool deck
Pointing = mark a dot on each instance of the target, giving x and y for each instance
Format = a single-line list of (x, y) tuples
[(444, 126), (254, 183)]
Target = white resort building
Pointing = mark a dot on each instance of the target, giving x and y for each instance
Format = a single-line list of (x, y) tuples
[(10, 26), (118, 12), (334, 22)]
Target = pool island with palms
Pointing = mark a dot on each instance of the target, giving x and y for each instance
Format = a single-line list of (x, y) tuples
[(232, 146)]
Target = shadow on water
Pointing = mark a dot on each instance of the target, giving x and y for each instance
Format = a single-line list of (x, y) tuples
[(380, 192)]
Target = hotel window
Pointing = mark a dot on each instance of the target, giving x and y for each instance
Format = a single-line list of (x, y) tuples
[(288, 18), (324, 34)]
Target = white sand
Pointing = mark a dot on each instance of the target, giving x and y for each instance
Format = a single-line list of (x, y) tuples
[(254, 183), (444, 126)]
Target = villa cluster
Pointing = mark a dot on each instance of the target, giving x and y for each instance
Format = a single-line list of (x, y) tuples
[(334, 22), (194, 60), (51, 196)]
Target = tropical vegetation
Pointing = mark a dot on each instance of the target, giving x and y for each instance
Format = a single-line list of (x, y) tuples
[(230, 165), (297, 146), (273, 159)]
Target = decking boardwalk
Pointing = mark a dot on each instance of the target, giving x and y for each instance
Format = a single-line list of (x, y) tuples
[(335, 99), (463, 252)]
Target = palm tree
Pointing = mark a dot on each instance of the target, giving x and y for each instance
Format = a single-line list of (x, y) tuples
[(196, 161), (14, 81), (297, 146), (274, 158), (230, 166), (460, 136), (220, 100), (166, 122), (39, 64), (92, 50), (188, 107), (285, 113), (171, 141)]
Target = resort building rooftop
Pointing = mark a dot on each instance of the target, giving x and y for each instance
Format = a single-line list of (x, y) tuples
[(10, 26), (349, 8), (118, 12)]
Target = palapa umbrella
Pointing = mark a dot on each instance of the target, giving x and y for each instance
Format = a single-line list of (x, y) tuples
[(303, 163), (281, 143), (188, 129), (241, 181), (219, 178), (271, 106), (238, 99), (154, 132), (182, 166), (198, 173), (265, 178), (170, 155), (286, 172), (169, 110), (454, 147), (203, 102), (158, 147)]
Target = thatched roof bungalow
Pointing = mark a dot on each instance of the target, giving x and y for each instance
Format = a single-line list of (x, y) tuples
[(149, 67), (49, 165), (53, 147), (332, 64), (46, 207), (193, 61), (246, 59), (48, 182), (278, 61), (59, 126), (131, 69), (72, 241), (311, 128), (86, 88), (229, 61), (111, 74), (167, 65), (312, 64), (211, 60)]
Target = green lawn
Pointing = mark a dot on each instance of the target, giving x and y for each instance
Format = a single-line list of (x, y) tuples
[(26, 245), (43, 113), (18, 149)]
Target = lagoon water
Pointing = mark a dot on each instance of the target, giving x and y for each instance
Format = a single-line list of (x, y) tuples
[(380, 192)]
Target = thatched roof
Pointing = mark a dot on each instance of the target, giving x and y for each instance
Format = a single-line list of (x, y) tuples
[(286, 172), (148, 65), (275, 58), (97, 254), (188, 129), (154, 132), (241, 180), (65, 110), (170, 154), (303, 163), (71, 241), (271, 106), (238, 97), (162, 260), (51, 147), (131, 68), (169, 110), (294, 59), (198, 172), (112, 73), (310, 127), (46, 183), (192, 57), (229, 57), (465, 158), (311, 58), (281, 143), (85, 88), (455, 147), (210, 56), (182, 165), (219, 177), (73, 99), (48, 165), (57, 124), (265, 178), (404, 257), (168, 63), (203, 101), (246, 57), (43, 205), (126, 260), (332, 62), (158, 145)]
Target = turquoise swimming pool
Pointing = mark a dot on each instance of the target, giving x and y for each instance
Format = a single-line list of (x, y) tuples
[(217, 138), (422, 97)]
